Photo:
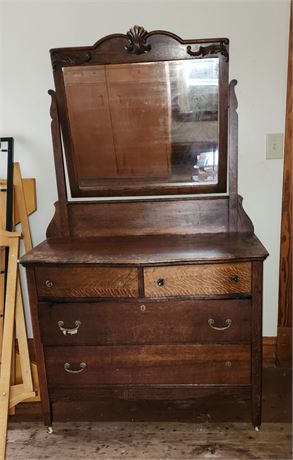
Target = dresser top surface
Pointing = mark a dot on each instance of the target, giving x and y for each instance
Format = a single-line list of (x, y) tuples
[(147, 250)]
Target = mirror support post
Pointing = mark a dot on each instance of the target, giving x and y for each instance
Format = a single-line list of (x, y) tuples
[(61, 216), (233, 158)]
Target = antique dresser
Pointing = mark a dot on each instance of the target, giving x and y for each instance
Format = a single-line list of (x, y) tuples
[(149, 284)]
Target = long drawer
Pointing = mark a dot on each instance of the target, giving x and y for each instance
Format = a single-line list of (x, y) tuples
[(86, 282), (149, 364), (203, 279), (113, 323)]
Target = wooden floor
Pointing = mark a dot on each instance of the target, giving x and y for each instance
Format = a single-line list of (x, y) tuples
[(210, 428), (148, 440)]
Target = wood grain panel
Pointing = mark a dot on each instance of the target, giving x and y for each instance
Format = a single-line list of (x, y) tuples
[(269, 347), (209, 279), (150, 217), (149, 249), (284, 348), (38, 347), (146, 322), (86, 282), (150, 364)]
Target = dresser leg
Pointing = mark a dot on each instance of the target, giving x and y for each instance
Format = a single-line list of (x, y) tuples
[(47, 414), (256, 345), (256, 408), (256, 391)]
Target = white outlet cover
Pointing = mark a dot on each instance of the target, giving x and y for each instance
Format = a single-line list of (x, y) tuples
[(275, 146)]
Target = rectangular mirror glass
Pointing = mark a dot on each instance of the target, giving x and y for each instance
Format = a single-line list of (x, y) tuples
[(144, 124)]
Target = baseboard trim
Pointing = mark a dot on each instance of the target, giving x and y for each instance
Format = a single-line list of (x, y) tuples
[(284, 346), (269, 351)]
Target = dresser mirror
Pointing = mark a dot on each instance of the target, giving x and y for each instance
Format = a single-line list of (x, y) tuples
[(155, 122)]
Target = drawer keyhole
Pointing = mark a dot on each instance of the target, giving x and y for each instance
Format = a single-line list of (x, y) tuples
[(142, 308), (235, 279), (161, 282)]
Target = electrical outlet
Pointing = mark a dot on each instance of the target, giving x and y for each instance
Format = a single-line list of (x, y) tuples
[(275, 146)]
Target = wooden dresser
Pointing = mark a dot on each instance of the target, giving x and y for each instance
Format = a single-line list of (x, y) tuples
[(156, 297)]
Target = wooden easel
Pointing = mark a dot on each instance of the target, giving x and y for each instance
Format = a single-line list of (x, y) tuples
[(10, 395), (11, 305)]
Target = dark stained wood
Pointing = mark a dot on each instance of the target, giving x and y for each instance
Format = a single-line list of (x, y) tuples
[(233, 158), (176, 216), (269, 344), (187, 216), (145, 322), (171, 48), (148, 250), (209, 279), (87, 282), (200, 402), (143, 394), (63, 221), (150, 364), (39, 352), (284, 346), (284, 342), (113, 50), (200, 331), (256, 343), (269, 347)]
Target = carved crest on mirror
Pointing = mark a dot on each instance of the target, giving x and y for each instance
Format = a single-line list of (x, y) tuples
[(138, 40)]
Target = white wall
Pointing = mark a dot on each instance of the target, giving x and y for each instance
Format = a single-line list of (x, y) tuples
[(258, 33)]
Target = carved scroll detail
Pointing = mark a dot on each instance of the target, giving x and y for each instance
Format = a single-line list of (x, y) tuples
[(217, 48), (137, 36), (59, 60)]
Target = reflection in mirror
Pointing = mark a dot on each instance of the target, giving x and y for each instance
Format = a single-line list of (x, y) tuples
[(154, 122)]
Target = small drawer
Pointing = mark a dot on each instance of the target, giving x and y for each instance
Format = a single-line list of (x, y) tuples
[(149, 364), (130, 323), (198, 280), (86, 282)]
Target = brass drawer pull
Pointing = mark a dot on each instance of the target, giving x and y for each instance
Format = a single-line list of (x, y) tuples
[(161, 282), (228, 363), (69, 331), (49, 283), (68, 365), (235, 279), (211, 323)]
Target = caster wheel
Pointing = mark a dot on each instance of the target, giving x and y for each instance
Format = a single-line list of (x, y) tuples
[(257, 428), (49, 430)]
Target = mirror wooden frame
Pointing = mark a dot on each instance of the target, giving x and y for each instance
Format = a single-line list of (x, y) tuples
[(140, 46)]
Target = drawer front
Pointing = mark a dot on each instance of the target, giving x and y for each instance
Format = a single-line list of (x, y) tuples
[(114, 323), (87, 282), (150, 364), (206, 279)]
